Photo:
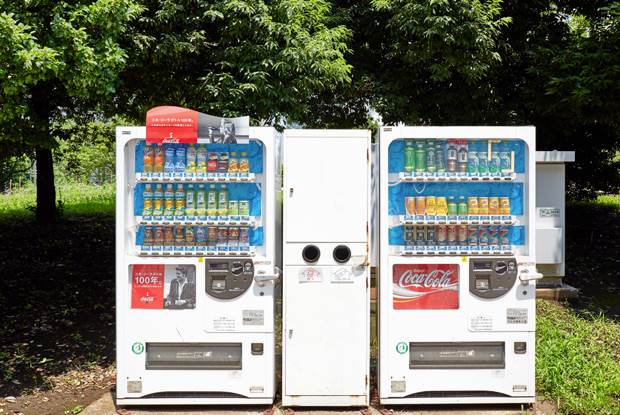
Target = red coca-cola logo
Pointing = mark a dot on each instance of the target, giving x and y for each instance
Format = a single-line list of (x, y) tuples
[(425, 286)]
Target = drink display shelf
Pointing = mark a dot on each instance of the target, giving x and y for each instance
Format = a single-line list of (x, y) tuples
[(456, 220), (252, 221), (458, 177), (196, 178), (455, 250), (197, 252)]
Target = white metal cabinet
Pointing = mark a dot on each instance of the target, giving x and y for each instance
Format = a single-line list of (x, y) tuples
[(325, 296)]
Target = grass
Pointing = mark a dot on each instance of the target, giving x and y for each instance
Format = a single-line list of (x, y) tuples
[(577, 360), (75, 198)]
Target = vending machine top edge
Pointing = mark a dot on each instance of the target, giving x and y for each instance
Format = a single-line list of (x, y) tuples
[(457, 264), (196, 269)]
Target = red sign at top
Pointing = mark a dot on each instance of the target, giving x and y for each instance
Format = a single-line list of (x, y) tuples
[(425, 286), (171, 125)]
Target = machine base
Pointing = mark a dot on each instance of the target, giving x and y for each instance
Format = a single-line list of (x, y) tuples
[(318, 400), (473, 400), (193, 401)]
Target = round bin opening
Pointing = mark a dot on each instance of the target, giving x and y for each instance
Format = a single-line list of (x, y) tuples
[(311, 253), (342, 254)]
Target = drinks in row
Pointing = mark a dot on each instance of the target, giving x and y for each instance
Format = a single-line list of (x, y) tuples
[(179, 159), (191, 200), (195, 238), (440, 236), (458, 158), (457, 206)]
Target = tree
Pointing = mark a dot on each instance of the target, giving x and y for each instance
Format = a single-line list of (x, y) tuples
[(56, 58), (257, 58)]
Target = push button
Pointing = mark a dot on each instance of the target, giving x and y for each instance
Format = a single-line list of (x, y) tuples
[(520, 347), (257, 349)]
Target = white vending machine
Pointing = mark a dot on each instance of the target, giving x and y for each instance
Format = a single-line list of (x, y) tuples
[(457, 265), (325, 336), (195, 270)]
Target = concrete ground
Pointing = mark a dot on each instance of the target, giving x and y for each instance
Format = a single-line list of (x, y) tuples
[(105, 406)]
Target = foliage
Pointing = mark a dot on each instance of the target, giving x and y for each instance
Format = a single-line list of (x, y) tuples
[(577, 360), (256, 58)]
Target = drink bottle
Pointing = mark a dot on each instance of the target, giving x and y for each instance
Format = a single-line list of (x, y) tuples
[(169, 200), (179, 160), (190, 163), (201, 159), (233, 163), (222, 201), (440, 158), (148, 158), (190, 206), (158, 200), (244, 163), (462, 157), (409, 164), (179, 200), (212, 201), (147, 197), (431, 157), (169, 159), (452, 156), (420, 157), (201, 203), (158, 159)]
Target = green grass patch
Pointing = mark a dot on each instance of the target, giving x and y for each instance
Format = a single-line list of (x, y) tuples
[(602, 201), (577, 360), (76, 198)]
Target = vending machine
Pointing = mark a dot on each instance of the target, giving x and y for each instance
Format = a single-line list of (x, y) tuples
[(325, 336), (195, 269), (457, 265)]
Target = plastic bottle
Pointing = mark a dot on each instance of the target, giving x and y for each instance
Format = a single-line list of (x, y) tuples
[(190, 206), (201, 203), (190, 163), (483, 161), (505, 161), (430, 157), (201, 159), (222, 201), (212, 201), (169, 200), (440, 158), (472, 161), (179, 160), (147, 197), (169, 159), (420, 157), (148, 158), (158, 200), (409, 154), (462, 157), (452, 156), (158, 160), (494, 163), (179, 201)]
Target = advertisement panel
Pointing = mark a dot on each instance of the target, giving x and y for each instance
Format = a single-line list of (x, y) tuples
[(425, 286)]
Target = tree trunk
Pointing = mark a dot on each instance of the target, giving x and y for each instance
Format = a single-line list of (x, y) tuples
[(46, 191)]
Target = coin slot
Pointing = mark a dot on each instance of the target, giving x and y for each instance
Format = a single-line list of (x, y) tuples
[(310, 253), (342, 254)]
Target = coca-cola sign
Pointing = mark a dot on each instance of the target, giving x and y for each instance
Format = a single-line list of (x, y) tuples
[(425, 286)]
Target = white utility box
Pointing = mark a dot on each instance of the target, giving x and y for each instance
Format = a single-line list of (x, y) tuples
[(326, 272)]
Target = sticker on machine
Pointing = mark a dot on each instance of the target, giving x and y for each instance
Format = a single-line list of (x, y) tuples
[(253, 318), (480, 322), (342, 275), (223, 324), (158, 286), (425, 286), (310, 275), (516, 316)]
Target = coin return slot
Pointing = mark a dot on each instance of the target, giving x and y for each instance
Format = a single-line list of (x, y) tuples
[(342, 254), (311, 253), (482, 284)]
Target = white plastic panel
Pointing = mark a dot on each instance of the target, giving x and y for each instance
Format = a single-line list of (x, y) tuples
[(549, 242)]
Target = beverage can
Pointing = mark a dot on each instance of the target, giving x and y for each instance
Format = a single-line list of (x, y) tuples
[(233, 208), (504, 205), (233, 163), (442, 206), (504, 239), (149, 237), (212, 236), (147, 200), (158, 236), (179, 236), (441, 235), (431, 205), (420, 157), (244, 163), (179, 201), (462, 157), (461, 235), (431, 157), (409, 235), (190, 163), (494, 235), (244, 237), (462, 206), (169, 159), (430, 235), (452, 156), (190, 237), (483, 205), (410, 205), (201, 236), (452, 206), (158, 159), (493, 206), (168, 236), (409, 156), (222, 162), (201, 159), (472, 235), (420, 235), (420, 205), (452, 235), (222, 236), (233, 238), (472, 205), (440, 157), (483, 236), (212, 162), (179, 160), (148, 158)]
